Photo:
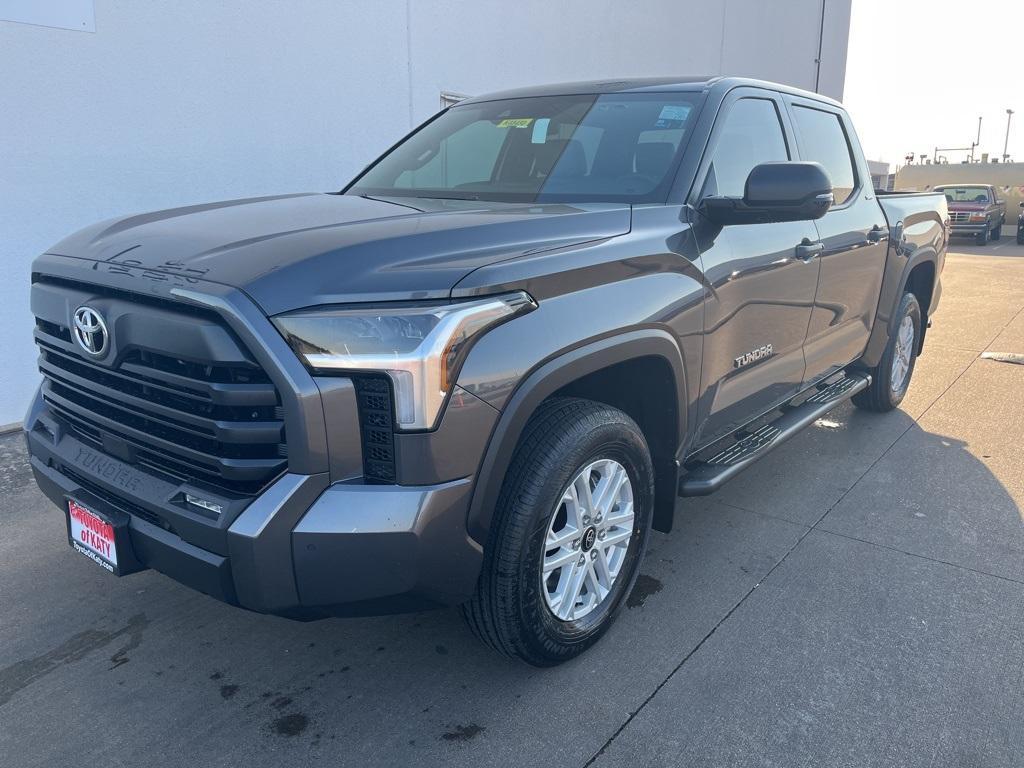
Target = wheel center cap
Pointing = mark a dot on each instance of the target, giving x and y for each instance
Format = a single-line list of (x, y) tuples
[(589, 537)]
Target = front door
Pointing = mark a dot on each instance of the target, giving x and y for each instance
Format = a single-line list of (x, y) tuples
[(761, 277)]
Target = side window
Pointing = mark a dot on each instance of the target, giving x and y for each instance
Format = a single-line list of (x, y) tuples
[(751, 134), (823, 140)]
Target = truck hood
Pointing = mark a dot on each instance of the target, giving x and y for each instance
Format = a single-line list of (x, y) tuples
[(967, 207), (294, 251)]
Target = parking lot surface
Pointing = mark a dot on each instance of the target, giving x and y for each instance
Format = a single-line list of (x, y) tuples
[(855, 599)]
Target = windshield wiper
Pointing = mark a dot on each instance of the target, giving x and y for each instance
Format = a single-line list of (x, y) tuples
[(450, 197)]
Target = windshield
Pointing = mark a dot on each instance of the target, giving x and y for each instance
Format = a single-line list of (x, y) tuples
[(610, 148), (965, 194)]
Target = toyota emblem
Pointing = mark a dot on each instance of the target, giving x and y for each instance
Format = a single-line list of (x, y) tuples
[(90, 331)]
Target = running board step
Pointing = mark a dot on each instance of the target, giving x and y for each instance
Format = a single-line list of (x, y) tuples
[(708, 476)]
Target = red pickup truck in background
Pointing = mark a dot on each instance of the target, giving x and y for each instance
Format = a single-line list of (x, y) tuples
[(974, 209)]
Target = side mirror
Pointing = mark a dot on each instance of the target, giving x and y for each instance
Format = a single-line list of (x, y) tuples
[(1022, 203), (788, 191)]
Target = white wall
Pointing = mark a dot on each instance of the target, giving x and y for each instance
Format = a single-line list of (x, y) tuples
[(179, 101)]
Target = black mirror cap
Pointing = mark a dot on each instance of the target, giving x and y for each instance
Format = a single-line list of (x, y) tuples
[(784, 191), (788, 185)]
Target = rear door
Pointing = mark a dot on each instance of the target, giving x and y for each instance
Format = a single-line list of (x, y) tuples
[(855, 237), (761, 277)]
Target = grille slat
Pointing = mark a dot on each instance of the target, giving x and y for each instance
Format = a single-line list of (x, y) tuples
[(134, 374), (206, 421), (257, 431)]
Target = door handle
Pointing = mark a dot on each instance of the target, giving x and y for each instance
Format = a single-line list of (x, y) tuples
[(877, 234), (808, 250)]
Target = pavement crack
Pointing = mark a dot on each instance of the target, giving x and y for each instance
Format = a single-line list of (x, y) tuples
[(920, 556), (22, 674), (697, 647), (803, 535)]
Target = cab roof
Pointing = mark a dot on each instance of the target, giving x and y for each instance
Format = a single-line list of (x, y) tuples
[(646, 85)]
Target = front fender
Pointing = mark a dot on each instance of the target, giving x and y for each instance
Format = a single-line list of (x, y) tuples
[(544, 382)]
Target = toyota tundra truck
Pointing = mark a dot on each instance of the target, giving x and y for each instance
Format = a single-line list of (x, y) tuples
[(481, 373)]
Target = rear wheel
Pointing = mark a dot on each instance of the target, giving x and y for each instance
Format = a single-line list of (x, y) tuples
[(890, 379), (570, 531)]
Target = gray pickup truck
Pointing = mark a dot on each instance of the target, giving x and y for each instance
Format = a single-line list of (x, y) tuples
[(481, 373)]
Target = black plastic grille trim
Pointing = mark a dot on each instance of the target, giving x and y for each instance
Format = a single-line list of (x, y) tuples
[(376, 427), (192, 420)]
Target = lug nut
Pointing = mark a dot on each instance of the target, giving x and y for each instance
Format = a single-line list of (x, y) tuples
[(583, 560), (593, 554), (598, 519), (586, 519), (602, 534), (575, 543)]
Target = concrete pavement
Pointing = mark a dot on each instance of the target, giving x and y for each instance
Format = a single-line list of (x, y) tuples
[(855, 599)]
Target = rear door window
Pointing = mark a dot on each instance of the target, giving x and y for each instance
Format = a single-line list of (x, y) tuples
[(823, 140)]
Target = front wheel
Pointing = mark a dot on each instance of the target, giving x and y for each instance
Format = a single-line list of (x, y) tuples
[(1020, 237), (570, 530), (997, 232), (890, 379), (981, 237)]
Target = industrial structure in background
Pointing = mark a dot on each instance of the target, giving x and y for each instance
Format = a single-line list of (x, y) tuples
[(934, 168), (156, 105)]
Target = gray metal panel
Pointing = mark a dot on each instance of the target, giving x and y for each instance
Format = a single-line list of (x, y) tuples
[(259, 543), (412, 540)]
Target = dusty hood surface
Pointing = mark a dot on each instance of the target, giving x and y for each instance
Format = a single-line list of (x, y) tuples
[(294, 251)]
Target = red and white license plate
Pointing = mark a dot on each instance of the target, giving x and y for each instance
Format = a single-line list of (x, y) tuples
[(92, 535)]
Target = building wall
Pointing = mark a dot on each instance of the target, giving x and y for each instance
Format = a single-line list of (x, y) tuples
[(1008, 178), (174, 102)]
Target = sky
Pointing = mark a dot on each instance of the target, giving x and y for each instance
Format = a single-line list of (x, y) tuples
[(919, 73)]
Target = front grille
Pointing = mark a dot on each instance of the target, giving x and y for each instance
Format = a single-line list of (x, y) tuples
[(376, 427), (959, 217), (199, 421)]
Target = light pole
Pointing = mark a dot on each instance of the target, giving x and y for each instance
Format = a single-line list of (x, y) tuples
[(1006, 142)]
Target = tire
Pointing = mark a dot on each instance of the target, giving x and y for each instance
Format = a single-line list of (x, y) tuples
[(981, 238), (1020, 237), (997, 232), (512, 609), (885, 392)]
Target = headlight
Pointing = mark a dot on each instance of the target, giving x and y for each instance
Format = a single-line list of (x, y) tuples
[(419, 348)]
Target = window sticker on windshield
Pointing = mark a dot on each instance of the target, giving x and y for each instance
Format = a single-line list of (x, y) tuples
[(516, 122), (672, 116), (540, 130)]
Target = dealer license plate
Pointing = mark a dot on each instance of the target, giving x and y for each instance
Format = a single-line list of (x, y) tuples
[(92, 535)]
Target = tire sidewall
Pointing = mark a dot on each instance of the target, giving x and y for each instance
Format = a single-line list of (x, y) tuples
[(908, 306), (622, 442)]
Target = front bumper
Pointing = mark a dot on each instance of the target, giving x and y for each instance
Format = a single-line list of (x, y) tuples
[(967, 229), (316, 540), (303, 548)]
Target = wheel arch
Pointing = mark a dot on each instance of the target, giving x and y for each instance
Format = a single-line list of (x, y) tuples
[(894, 284), (595, 371), (921, 282)]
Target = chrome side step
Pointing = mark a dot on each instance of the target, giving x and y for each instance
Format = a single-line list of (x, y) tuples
[(708, 476)]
